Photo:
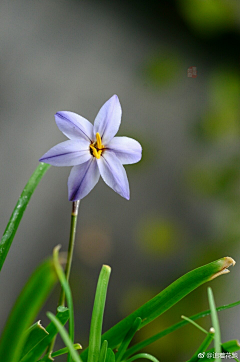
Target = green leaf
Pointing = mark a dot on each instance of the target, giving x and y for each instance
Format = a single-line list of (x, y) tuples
[(47, 358), (166, 299), (18, 211), (215, 322), (127, 339), (38, 350), (65, 350), (137, 347), (25, 310), (194, 324), (110, 356), (65, 337), (34, 335), (60, 352), (230, 346), (67, 290), (97, 314), (143, 355), (205, 344), (103, 352)]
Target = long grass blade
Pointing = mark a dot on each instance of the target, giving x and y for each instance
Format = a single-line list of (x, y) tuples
[(25, 310), (97, 314), (127, 339), (19, 209), (215, 322), (194, 324), (65, 337), (103, 352), (67, 290)]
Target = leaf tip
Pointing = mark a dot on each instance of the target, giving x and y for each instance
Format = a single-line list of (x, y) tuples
[(78, 346), (226, 262), (41, 327), (107, 267)]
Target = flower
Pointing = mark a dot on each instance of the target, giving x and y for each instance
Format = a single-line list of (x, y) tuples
[(93, 150)]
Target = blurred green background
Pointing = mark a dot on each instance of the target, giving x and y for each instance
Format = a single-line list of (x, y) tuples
[(185, 193)]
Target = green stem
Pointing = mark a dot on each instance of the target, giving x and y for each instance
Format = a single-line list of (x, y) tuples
[(74, 216)]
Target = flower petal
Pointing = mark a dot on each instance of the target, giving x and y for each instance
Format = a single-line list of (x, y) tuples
[(108, 119), (113, 173), (68, 153), (74, 126), (126, 149), (82, 179)]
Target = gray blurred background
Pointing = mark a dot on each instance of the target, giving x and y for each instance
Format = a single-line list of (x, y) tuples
[(184, 206)]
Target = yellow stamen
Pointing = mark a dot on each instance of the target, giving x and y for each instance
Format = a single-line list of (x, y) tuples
[(99, 141), (95, 152), (97, 147)]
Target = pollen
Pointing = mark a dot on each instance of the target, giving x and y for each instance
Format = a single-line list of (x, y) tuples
[(97, 147)]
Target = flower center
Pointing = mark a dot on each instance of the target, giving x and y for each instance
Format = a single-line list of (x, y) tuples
[(97, 147)]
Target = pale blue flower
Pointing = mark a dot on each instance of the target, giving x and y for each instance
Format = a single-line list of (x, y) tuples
[(93, 150)]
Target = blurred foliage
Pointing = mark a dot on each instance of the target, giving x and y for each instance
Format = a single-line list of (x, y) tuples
[(210, 17), (135, 296), (158, 236), (163, 68), (221, 119), (214, 178)]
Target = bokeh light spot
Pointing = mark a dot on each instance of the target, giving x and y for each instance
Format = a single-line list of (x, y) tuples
[(162, 68), (94, 245), (209, 17), (158, 236)]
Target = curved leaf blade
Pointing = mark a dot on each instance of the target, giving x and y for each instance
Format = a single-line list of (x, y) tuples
[(39, 348), (35, 334), (62, 331), (143, 355), (166, 299), (18, 211), (25, 310)]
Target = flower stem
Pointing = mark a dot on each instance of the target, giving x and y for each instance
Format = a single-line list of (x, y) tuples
[(75, 207), (74, 216)]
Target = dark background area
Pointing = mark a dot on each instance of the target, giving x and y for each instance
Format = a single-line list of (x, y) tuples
[(185, 193)]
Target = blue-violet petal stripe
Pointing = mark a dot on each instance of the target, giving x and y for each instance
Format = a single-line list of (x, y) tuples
[(114, 174), (108, 119), (74, 126), (82, 179), (68, 153), (126, 149)]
